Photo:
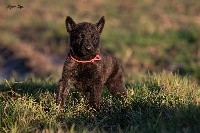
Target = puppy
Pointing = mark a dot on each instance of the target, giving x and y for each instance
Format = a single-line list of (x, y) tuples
[(88, 68)]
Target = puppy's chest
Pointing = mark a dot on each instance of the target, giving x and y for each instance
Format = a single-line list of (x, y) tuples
[(86, 72)]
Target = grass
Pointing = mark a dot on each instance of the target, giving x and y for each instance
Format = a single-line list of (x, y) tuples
[(156, 103), (143, 27), (146, 35)]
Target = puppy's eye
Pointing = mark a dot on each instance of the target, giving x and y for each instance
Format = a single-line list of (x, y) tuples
[(94, 39), (81, 36), (76, 41), (93, 36)]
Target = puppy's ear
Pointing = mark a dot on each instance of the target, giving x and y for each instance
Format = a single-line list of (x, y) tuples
[(100, 24), (70, 24)]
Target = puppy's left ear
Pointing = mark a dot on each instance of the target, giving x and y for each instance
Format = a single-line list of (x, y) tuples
[(70, 24), (100, 24)]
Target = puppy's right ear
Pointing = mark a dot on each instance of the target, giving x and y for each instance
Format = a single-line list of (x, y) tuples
[(70, 24), (100, 24)]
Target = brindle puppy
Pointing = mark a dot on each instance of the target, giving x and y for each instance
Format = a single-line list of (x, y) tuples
[(86, 67)]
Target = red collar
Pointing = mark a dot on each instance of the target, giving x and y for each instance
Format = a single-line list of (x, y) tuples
[(96, 58)]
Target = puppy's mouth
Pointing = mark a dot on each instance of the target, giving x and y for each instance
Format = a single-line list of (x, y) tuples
[(87, 49)]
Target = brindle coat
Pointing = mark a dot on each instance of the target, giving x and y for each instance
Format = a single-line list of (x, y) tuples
[(89, 77)]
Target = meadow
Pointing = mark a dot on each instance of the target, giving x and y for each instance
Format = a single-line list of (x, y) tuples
[(157, 103), (147, 36), (158, 43)]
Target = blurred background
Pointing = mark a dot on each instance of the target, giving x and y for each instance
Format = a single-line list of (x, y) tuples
[(146, 35)]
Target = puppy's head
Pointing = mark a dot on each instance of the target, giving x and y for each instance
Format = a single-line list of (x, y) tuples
[(84, 37)]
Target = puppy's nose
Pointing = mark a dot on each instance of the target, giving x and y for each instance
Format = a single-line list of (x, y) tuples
[(88, 47)]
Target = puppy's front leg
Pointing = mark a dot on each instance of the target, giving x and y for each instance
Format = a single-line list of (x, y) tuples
[(62, 91), (95, 97)]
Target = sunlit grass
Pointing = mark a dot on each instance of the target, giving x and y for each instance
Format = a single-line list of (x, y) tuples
[(158, 102), (155, 31)]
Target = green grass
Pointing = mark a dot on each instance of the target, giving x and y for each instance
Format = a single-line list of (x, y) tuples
[(143, 27), (156, 103), (146, 35)]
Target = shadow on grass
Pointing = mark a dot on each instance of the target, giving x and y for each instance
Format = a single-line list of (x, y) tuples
[(141, 113), (28, 87)]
